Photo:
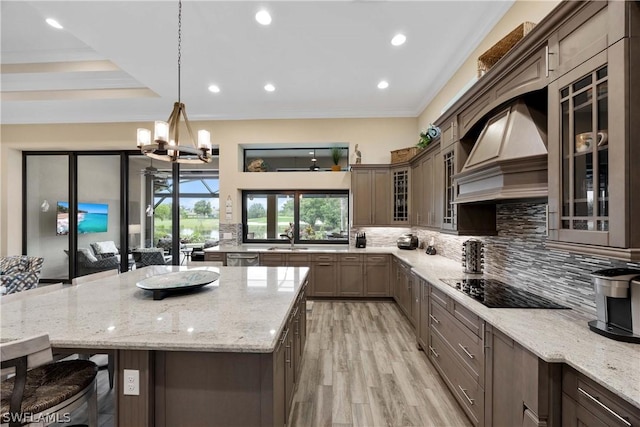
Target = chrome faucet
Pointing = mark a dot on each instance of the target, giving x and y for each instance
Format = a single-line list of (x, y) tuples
[(289, 233)]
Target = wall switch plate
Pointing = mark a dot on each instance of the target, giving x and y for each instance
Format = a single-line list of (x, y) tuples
[(227, 236), (131, 382)]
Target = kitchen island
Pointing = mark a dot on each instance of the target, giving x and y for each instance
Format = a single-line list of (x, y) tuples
[(223, 354)]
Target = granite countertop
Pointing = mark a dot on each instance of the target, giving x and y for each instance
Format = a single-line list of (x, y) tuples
[(555, 336), (243, 311)]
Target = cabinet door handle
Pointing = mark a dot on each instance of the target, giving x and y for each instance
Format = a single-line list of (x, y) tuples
[(605, 407), (547, 67), (471, 356), (470, 400), (484, 346), (433, 351), (283, 339), (434, 319), (288, 358)]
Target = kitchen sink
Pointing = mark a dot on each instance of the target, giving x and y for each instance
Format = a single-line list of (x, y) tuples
[(284, 249)]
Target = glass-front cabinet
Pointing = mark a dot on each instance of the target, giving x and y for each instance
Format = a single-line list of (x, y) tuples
[(593, 120), (585, 153), (401, 195)]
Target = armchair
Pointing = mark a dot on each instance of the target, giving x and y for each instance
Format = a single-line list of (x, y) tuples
[(87, 263), (149, 256), (19, 273)]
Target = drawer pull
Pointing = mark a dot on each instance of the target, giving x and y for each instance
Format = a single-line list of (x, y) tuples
[(470, 400), (287, 358), (605, 407), (433, 351), (434, 318), (471, 356)]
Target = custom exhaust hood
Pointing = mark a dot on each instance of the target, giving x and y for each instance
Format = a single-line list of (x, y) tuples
[(509, 158)]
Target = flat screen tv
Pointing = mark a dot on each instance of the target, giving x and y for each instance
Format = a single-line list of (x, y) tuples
[(92, 218)]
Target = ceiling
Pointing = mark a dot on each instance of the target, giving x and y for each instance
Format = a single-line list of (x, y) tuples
[(116, 61)]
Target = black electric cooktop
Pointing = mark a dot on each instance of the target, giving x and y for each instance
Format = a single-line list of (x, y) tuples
[(496, 294)]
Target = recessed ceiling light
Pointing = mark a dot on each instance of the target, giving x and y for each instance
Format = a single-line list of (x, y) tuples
[(54, 23), (263, 17), (383, 84), (269, 87), (398, 39), (214, 89)]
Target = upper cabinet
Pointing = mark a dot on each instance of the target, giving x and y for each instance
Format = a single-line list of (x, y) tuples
[(586, 33), (426, 195), (381, 194), (593, 122), (401, 194), (371, 195)]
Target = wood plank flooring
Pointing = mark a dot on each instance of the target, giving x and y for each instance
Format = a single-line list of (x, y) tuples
[(361, 367)]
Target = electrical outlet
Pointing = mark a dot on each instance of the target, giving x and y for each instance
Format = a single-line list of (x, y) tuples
[(131, 382), (227, 236)]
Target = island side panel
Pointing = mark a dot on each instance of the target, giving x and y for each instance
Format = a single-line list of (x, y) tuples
[(214, 389), (136, 410)]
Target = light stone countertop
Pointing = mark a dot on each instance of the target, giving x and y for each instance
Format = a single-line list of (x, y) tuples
[(557, 336), (243, 311)]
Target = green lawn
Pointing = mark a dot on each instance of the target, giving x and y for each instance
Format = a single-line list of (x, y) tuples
[(201, 227)]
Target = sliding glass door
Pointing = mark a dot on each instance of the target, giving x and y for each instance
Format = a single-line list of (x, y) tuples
[(47, 227)]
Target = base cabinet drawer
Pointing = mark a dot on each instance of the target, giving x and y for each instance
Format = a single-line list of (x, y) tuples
[(463, 386), (586, 403), (215, 257), (466, 345)]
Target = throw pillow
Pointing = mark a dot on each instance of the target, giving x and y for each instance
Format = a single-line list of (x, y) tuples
[(14, 264), (86, 252), (103, 248)]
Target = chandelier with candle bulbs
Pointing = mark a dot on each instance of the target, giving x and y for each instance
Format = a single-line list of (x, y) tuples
[(166, 144)]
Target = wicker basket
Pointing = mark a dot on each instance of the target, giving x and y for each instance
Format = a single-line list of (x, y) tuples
[(403, 155), (500, 49)]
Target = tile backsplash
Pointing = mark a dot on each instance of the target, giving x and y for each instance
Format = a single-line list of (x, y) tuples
[(518, 255)]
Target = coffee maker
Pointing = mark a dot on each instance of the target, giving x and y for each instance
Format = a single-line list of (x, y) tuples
[(617, 304)]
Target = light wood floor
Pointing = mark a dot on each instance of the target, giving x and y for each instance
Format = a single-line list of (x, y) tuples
[(360, 367)]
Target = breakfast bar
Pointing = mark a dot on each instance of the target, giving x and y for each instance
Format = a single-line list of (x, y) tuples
[(221, 354)]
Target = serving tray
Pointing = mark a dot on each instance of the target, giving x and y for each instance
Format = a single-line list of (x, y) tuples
[(177, 282)]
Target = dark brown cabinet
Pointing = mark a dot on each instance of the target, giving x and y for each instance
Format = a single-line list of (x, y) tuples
[(324, 273), (215, 257), (593, 105), (586, 403), (521, 389), (423, 316), (287, 359), (377, 270), (272, 259), (402, 289), (456, 348), (351, 275), (426, 189), (582, 36), (371, 195), (279, 381), (401, 193)]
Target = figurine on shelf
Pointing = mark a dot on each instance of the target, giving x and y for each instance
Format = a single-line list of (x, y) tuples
[(357, 155)]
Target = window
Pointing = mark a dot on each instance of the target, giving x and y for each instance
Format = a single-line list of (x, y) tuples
[(199, 206), (296, 159), (318, 216)]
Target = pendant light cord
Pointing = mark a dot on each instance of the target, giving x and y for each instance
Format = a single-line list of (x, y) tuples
[(179, 43)]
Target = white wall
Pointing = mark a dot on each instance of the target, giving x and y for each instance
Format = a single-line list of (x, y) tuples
[(521, 11)]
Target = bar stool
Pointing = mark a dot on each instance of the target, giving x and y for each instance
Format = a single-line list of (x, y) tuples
[(40, 391)]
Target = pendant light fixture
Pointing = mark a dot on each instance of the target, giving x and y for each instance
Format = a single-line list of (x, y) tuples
[(166, 144), (314, 166)]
